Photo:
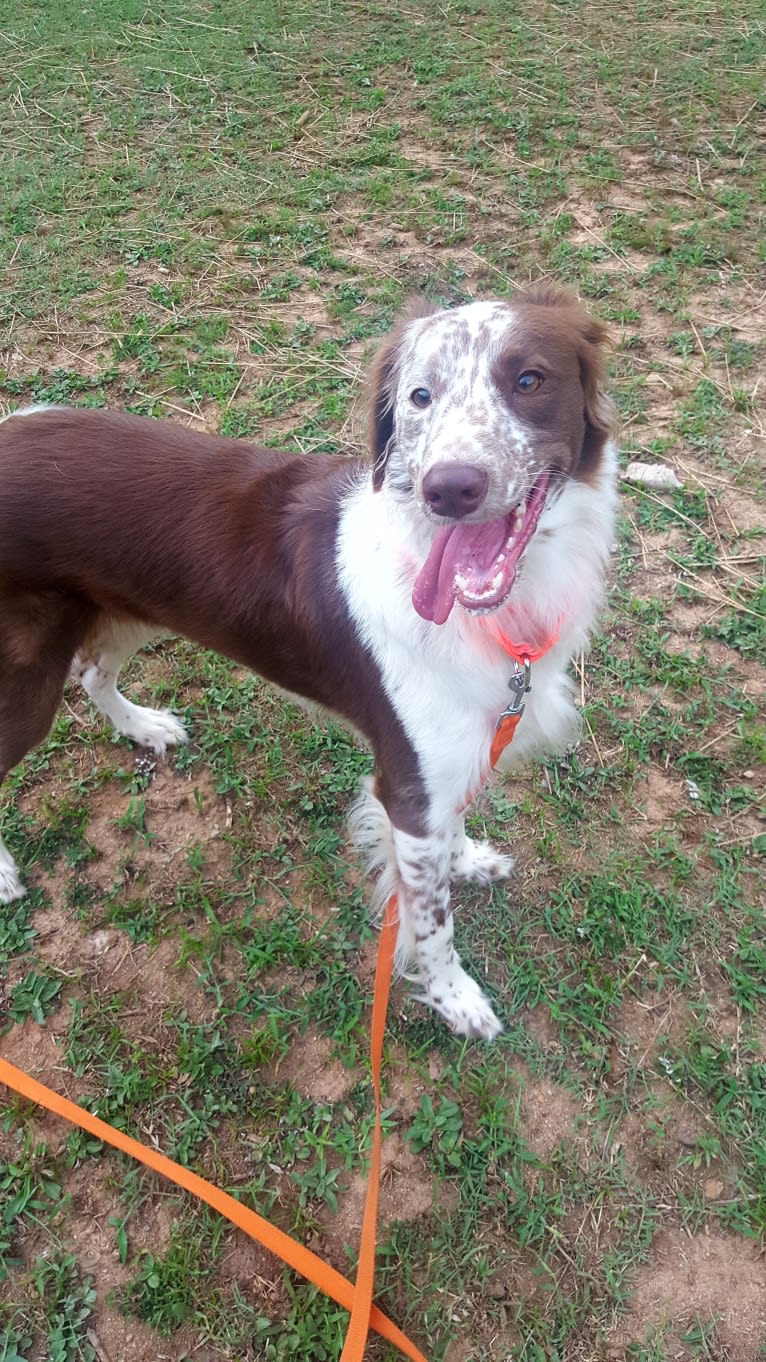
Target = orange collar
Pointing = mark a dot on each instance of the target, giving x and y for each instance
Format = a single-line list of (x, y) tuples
[(525, 652)]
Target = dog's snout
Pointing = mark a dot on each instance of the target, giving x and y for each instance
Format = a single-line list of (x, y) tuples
[(455, 489)]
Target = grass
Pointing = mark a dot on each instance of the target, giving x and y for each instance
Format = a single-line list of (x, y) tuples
[(211, 214)]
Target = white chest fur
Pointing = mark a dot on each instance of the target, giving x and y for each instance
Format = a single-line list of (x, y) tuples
[(449, 682)]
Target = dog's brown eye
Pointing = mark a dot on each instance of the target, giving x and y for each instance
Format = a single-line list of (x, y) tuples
[(420, 397), (529, 381)]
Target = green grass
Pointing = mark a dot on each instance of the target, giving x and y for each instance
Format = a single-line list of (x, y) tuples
[(211, 214)]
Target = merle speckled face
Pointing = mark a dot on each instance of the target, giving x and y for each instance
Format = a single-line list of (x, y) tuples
[(479, 414)]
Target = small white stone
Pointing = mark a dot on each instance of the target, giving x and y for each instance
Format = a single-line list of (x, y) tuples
[(651, 475)]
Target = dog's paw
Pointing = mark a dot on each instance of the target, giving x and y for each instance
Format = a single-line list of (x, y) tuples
[(10, 885), (462, 1005), (157, 729), (480, 862)]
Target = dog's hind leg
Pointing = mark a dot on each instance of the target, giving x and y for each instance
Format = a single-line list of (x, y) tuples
[(96, 667), (39, 633), (10, 885)]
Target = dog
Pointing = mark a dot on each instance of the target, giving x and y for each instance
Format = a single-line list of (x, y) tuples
[(403, 595)]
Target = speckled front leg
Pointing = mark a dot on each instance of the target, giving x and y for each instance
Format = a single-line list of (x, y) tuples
[(477, 861), (424, 867)]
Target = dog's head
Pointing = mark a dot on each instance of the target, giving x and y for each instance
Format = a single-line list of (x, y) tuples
[(478, 415)]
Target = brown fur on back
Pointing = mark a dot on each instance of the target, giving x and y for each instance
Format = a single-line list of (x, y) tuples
[(109, 515)]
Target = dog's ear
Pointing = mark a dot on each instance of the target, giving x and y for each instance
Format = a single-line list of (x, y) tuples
[(383, 383), (600, 414), (593, 343), (384, 380)]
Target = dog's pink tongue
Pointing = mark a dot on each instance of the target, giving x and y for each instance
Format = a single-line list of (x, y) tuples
[(434, 591), (456, 550)]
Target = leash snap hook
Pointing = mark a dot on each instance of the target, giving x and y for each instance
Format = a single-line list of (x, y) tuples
[(520, 685)]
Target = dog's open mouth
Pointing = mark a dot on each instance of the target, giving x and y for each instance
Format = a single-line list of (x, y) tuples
[(476, 564)]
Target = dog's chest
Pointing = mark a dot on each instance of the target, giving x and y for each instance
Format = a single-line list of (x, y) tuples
[(442, 680)]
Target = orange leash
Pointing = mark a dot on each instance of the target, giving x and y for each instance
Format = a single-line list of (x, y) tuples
[(359, 1323), (355, 1298), (506, 727)]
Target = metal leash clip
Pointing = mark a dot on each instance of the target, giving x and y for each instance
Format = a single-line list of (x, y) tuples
[(520, 685)]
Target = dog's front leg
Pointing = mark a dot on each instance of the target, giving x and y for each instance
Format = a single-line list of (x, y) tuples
[(424, 865), (477, 861)]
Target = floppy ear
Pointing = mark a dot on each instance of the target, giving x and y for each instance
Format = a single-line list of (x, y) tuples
[(600, 414), (593, 342), (383, 382)]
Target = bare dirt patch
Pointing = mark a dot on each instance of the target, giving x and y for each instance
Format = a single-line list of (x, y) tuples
[(314, 1072), (117, 1336), (177, 813), (150, 974), (706, 1277), (734, 305), (540, 1025), (644, 1026), (547, 1115), (109, 962), (92, 1238), (406, 1193), (404, 1087), (32, 1048), (660, 797), (654, 1140), (45, 349)]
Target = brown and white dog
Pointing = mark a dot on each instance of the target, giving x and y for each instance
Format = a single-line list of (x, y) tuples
[(380, 593)]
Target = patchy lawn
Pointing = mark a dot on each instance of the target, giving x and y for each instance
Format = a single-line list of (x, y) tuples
[(210, 213)]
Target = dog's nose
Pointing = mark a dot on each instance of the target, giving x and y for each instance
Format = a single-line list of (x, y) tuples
[(455, 489)]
